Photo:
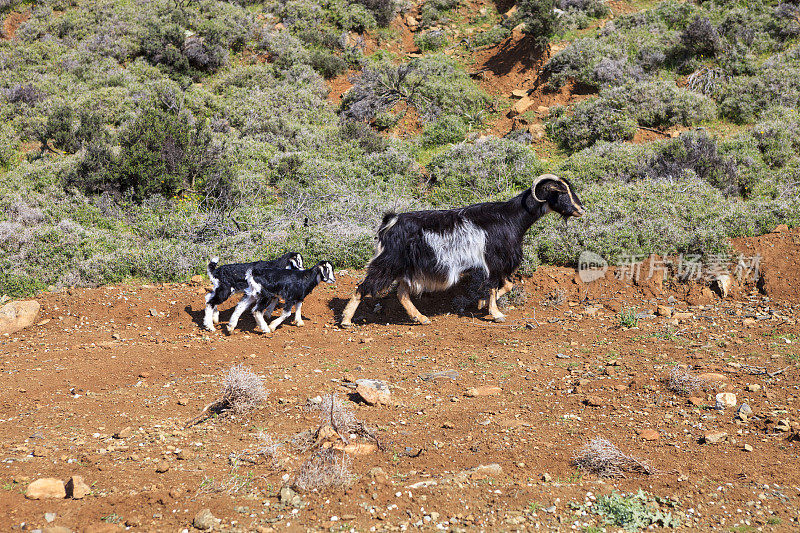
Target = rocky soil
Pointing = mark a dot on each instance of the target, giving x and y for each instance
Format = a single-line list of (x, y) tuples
[(478, 430)]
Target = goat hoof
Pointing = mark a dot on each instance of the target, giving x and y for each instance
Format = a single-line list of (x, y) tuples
[(345, 325), (423, 320), (500, 318), (229, 330), (300, 324)]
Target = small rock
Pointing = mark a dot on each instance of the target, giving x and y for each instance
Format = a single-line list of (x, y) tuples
[(749, 322), (373, 392), (663, 310), (290, 497), (50, 517), (593, 401), (15, 316), (47, 487), (522, 105), (124, 433), (483, 390), (176, 492), (754, 387), (714, 437), (480, 472), (56, 529), (744, 411), (378, 475), (649, 434), (783, 425), (185, 455), (519, 93), (162, 467), (781, 228), (39, 451), (196, 279), (183, 401), (204, 520), (747, 448), (713, 377), (360, 448), (77, 488), (697, 401), (725, 400), (682, 316), (442, 374), (547, 478)]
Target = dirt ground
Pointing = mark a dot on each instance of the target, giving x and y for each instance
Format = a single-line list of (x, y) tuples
[(132, 361)]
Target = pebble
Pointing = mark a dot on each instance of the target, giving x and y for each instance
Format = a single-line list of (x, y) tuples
[(483, 390), (649, 434), (50, 517), (747, 448), (162, 467), (725, 400), (124, 433), (204, 520), (547, 478), (744, 411), (290, 497), (374, 392), (754, 387), (714, 437)]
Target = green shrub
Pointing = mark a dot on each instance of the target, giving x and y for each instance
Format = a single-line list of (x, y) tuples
[(491, 169), (539, 18), (491, 37), (591, 121), (431, 41), (328, 64), (634, 511), (448, 129)]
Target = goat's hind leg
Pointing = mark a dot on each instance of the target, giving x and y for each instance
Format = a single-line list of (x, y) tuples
[(260, 309), (285, 312), (350, 310), (497, 316), (404, 295), (244, 304)]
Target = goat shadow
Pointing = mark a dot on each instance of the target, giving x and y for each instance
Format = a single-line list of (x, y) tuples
[(460, 300), (246, 321)]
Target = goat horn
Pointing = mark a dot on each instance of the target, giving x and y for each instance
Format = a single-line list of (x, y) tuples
[(540, 179)]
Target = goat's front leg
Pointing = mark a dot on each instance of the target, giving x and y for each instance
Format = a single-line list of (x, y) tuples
[(246, 303), (285, 312), (298, 317), (404, 295), (350, 310), (497, 316)]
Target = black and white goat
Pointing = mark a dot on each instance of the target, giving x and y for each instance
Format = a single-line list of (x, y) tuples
[(265, 287), (430, 250), (226, 280)]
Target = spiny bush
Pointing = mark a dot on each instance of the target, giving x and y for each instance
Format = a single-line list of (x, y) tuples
[(615, 114), (432, 85), (431, 41), (591, 121), (491, 37), (435, 12), (601, 457), (488, 169)]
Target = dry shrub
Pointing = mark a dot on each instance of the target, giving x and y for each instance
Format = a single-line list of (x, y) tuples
[(601, 457), (555, 298), (683, 382), (334, 412), (242, 389), (326, 468)]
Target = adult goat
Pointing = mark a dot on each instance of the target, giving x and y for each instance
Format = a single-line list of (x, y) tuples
[(428, 251)]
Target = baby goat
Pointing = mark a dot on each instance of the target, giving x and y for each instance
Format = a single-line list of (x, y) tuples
[(227, 280), (430, 250), (265, 287)]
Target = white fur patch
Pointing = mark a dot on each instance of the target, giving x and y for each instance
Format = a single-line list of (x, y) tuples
[(456, 252)]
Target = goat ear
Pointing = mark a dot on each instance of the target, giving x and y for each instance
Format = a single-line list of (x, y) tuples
[(543, 187)]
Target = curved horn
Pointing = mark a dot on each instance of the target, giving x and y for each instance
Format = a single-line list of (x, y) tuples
[(540, 179)]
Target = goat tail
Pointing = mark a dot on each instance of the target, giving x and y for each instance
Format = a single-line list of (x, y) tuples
[(212, 266)]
